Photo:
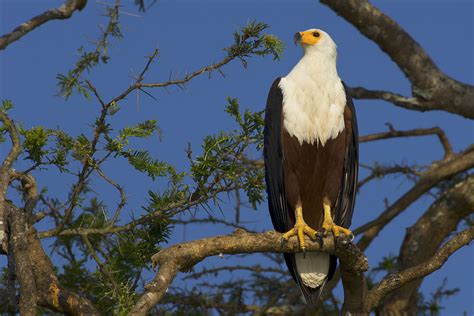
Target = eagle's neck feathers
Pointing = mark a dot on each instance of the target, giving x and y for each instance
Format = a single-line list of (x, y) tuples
[(314, 98)]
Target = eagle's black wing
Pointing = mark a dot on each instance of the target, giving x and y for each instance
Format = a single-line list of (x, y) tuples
[(273, 155), (346, 200), (277, 203)]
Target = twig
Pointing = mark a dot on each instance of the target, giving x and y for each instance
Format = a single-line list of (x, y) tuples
[(392, 133), (255, 269), (378, 172), (99, 262), (179, 82), (211, 220), (123, 198)]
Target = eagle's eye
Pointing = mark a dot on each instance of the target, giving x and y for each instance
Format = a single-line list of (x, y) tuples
[(316, 34)]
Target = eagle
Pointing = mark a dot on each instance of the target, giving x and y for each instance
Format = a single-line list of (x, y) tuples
[(311, 158)]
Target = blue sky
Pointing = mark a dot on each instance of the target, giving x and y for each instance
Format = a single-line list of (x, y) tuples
[(192, 34)]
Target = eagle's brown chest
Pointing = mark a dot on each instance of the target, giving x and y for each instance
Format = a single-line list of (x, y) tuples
[(312, 172)]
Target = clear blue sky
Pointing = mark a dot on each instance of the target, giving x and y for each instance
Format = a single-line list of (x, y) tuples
[(192, 34)]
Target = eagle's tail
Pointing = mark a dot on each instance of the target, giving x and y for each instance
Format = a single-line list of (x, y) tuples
[(311, 272)]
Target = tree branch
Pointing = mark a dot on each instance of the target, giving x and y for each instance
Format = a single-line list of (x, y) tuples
[(392, 133), (18, 237), (5, 176), (395, 280), (378, 171), (215, 271), (431, 88), (7, 307), (63, 12), (178, 82), (431, 229), (437, 172), (184, 256)]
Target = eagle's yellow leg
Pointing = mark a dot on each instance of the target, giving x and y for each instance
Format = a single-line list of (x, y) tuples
[(300, 229), (328, 223)]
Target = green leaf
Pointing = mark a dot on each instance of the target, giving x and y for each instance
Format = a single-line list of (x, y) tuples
[(35, 139), (143, 162)]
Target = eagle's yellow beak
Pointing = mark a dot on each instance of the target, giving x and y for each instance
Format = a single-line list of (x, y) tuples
[(307, 37)]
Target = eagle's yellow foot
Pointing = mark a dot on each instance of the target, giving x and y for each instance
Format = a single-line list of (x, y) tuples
[(300, 229), (329, 225)]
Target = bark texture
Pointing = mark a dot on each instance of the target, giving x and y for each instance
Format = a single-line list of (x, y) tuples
[(431, 88)]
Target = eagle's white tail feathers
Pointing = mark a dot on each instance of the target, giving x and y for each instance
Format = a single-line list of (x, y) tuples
[(312, 268)]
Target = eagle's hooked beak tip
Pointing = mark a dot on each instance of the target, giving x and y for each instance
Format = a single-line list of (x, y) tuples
[(297, 38)]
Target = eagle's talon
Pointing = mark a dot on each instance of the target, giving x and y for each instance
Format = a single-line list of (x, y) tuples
[(329, 225), (299, 230)]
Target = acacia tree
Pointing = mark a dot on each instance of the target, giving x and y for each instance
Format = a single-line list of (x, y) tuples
[(86, 231)]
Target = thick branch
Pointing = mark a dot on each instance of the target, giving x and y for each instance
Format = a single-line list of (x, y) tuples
[(63, 12), (5, 176), (52, 295), (34, 270), (183, 257), (6, 304), (436, 224), (18, 225), (395, 280), (431, 88)]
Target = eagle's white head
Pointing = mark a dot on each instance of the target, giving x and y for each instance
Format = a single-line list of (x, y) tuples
[(313, 95), (315, 41)]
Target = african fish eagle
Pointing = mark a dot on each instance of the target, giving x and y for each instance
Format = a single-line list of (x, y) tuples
[(311, 158)]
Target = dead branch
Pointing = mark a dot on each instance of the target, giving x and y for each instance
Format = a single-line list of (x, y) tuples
[(392, 133), (437, 172), (431, 88), (63, 12), (378, 172), (395, 280), (436, 224), (184, 256)]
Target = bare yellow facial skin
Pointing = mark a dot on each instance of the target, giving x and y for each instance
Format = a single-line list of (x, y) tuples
[(310, 37)]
